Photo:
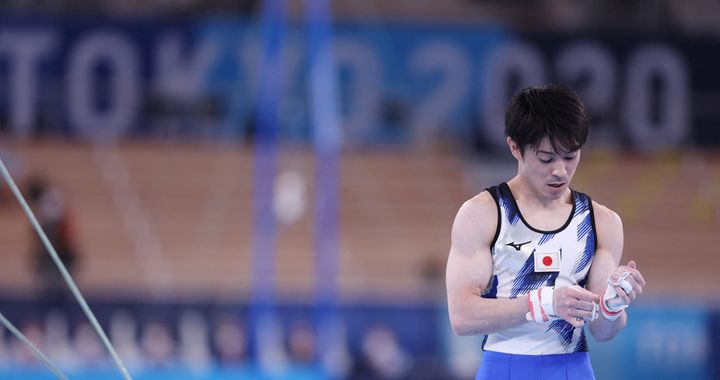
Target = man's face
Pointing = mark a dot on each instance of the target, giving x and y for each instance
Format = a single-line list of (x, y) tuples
[(548, 172)]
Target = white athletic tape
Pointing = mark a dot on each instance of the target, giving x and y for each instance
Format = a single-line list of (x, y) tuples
[(612, 305), (595, 312), (626, 286), (537, 301), (543, 298), (594, 316), (547, 295)]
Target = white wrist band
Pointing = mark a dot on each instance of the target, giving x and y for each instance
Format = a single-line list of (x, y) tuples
[(540, 304), (547, 295)]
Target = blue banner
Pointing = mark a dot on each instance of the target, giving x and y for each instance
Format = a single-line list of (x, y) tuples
[(660, 342), (197, 79)]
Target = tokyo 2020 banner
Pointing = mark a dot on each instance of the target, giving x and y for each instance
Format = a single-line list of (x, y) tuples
[(198, 79)]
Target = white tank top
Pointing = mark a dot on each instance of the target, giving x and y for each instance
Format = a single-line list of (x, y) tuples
[(514, 248)]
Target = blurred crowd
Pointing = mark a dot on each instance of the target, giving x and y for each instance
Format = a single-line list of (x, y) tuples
[(203, 344)]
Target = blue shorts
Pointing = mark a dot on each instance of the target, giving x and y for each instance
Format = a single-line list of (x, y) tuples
[(501, 366)]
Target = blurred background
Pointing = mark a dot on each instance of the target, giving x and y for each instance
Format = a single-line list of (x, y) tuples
[(265, 189)]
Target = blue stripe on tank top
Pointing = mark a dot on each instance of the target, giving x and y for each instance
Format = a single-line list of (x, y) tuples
[(581, 344), (582, 204), (511, 212), (564, 331), (584, 227), (546, 238), (585, 232)]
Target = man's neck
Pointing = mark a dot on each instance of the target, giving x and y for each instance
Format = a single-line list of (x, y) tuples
[(523, 192)]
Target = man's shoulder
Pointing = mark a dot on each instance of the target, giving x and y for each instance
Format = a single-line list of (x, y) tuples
[(482, 203), (478, 210), (606, 220), (476, 222)]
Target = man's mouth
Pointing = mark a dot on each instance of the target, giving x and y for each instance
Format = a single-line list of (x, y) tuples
[(556, 185)]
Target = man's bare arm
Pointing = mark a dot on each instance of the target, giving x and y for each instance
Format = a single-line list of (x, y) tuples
[(469, 270), (607, 259)]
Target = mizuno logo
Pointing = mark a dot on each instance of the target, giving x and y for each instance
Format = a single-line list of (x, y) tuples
[(517, 246)]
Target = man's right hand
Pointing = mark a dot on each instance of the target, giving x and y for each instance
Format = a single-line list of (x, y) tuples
[(574, 304)]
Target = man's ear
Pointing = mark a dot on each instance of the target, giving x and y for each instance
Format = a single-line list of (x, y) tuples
[(514, 149)]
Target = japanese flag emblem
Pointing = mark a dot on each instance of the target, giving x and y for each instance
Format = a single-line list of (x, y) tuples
[(547, 262)]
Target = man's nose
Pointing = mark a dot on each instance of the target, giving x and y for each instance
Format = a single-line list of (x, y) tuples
[(559, 169)]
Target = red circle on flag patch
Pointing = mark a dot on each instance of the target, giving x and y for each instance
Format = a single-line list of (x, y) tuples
[(547, 260)]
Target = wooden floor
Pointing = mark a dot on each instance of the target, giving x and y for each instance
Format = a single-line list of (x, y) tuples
[(176, 220)]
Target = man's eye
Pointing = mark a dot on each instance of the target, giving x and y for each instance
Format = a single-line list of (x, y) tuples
[(569, 158), (545, 161)]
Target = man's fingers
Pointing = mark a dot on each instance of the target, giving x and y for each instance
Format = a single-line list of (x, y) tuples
[(627, 285), (584, 305), (632, 269), (584, 294), (636, 286), (638, 277), (585, 314), (592, 298)]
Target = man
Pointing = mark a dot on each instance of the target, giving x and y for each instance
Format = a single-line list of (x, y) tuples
[(533, 261)]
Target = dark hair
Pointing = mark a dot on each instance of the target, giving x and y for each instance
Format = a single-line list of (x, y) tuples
[(36, 188), (552, 111)]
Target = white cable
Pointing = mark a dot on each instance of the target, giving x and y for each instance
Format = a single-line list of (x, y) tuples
[(68, 279), (32, 348)]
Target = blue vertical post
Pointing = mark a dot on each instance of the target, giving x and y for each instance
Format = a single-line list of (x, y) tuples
[(327, 141), (264, 239)]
